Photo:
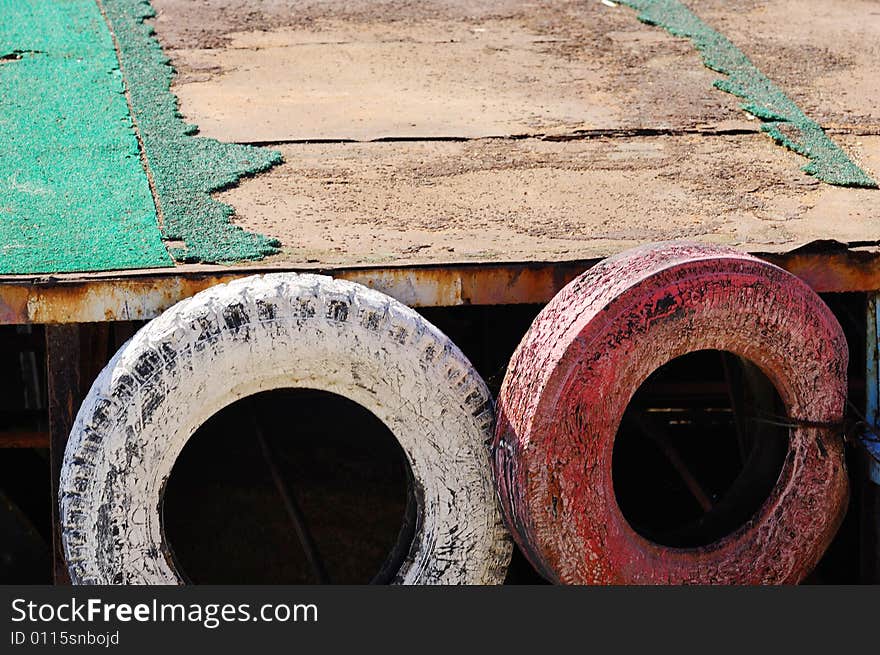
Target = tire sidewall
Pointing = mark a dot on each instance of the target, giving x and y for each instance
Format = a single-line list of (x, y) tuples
[(224, 345)]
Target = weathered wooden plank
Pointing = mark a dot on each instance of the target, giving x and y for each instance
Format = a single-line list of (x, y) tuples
[(533, 200), (63, 374), (339, 70), (657, 154), (824, 55), (869, 466)]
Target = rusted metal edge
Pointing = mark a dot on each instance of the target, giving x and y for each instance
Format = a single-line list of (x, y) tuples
[(140, 295), (24, 439)]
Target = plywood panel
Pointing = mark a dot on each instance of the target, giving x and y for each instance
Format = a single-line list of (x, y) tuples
[(533, 200)]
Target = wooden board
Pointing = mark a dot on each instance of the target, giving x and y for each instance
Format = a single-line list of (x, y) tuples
[(506, 132), (465, 68), (574, 130), (496, 200)]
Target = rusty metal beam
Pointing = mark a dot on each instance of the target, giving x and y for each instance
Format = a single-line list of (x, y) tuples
[(141, 295)]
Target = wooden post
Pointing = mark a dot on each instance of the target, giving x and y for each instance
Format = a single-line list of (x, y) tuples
[(63, 376), (870, 495)]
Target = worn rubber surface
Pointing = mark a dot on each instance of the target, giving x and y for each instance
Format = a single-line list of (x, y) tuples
[(267, 332), (585, 356)]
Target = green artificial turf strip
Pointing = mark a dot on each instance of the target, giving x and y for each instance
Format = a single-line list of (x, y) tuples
[(783, 119), (73, 192), (186, 169)]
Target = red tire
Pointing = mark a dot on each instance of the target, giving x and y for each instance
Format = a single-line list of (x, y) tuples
[(587, 353)]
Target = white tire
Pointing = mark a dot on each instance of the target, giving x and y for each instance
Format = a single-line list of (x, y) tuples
[(268, 332)]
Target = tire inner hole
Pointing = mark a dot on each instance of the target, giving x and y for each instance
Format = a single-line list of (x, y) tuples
[(699, 449), (344, 475)]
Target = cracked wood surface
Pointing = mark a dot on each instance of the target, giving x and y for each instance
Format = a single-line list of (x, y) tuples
[(522, 131)]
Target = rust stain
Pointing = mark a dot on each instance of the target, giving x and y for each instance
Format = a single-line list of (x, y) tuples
[(845, 270), (142, 295)]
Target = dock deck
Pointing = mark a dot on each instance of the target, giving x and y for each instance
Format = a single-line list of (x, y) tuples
[(465, 152)]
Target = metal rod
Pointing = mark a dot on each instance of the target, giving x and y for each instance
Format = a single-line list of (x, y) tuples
[(290, 504), (734, 405), (665, 445)]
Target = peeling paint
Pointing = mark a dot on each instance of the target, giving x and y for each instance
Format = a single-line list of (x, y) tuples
[(142, 296), (265, 332), (586, 354)]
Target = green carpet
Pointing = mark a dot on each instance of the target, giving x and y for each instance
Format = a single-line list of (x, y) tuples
[(73, 193), (783, 119), (186, 168)]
